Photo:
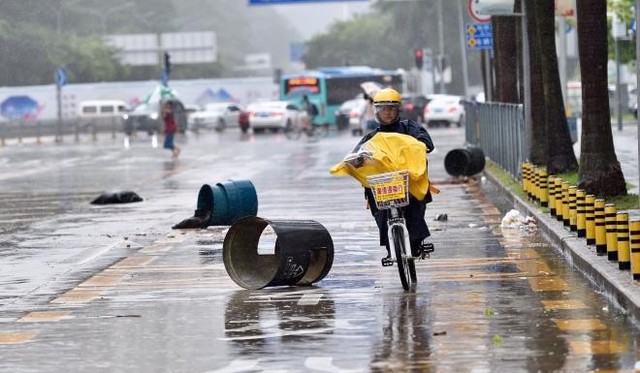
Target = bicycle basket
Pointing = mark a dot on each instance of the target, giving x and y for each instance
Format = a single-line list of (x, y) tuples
[(390, 189)]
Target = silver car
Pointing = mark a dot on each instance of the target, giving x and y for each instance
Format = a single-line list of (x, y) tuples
[(217, 115), (275, 115)]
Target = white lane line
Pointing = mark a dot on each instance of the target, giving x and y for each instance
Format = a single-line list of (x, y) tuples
[(310, 299)]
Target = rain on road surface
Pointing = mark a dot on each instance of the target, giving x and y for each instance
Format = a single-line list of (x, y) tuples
[(115, 289)]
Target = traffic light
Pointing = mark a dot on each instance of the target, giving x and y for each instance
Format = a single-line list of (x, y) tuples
[(167, 62), (418, 53)]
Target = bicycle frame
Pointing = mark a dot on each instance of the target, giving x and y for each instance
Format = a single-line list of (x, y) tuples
[(395, 219)]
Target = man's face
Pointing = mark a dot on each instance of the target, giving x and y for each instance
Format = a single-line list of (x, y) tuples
[(387, 113)]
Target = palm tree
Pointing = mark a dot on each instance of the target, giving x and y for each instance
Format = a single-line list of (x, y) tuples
[(506, 61), (560, 158), (600, 171)]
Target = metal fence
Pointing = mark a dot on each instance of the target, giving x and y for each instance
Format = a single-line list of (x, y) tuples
[(499, 130), (17, 129)]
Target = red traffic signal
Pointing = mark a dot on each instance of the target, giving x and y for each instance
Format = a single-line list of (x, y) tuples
[(419, 57)]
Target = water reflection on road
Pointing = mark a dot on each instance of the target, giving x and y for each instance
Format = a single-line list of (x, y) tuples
[(148, 298)]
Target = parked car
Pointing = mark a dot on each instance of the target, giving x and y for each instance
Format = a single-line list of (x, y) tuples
[(274, 115), (216, 115), (146, 117), (444, 110), (348, 115), (106, 112), (413, 107), (94, 109)]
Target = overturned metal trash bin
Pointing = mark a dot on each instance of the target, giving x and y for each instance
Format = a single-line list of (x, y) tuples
[(464, 162), (228, 201), (302, 253)]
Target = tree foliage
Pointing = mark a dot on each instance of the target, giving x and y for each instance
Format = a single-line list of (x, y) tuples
[(44, 34), (352, 43)]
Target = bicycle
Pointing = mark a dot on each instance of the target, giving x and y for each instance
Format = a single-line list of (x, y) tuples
[(294, 130), (391, 193)]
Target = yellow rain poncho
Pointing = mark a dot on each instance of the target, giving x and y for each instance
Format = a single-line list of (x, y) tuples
[(390, 151)]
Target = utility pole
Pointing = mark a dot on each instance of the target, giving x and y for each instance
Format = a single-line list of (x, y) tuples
[(440, 48)]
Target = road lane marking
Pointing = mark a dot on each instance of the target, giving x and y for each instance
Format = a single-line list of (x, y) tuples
[(325, 364), (237, 366), (45, 316), (14, 338), (310, 299), (77, 296), (133, 261), (565, 304), (580, 325), (597, 347)]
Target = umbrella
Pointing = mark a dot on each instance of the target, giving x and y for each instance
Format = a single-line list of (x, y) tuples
[(370, 88)]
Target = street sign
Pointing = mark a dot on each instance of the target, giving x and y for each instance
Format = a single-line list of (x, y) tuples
[(61, 76), (273, 2), (479, 36), (471, 6)]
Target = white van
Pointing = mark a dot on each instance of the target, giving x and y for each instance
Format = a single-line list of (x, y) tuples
[(95, 109)]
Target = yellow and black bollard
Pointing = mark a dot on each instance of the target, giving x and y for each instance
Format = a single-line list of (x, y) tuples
[(544, 189), (581, 217), (559, 197), (552, 192), (611, 226), (624, 255), (601, 228), (634, 244), (533, 171), (573, 209), (590, 200), (565, 203), (525, 178)]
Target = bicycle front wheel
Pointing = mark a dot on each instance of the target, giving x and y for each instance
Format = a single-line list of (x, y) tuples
[(406, 265)]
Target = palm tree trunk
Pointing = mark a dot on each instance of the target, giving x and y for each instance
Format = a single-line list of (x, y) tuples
[(600, 171), (561, 158)]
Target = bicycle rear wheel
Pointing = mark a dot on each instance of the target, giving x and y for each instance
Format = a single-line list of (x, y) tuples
[(406, 265), (291, 131)]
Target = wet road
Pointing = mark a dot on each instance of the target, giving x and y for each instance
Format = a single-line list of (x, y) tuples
[(115, 289)]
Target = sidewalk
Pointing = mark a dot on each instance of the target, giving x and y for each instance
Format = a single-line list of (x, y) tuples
[(615, 284)]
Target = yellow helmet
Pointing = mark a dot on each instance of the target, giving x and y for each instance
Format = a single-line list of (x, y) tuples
[(387, 96)]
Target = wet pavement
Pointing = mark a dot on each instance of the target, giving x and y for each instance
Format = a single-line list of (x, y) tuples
[(115, 289)]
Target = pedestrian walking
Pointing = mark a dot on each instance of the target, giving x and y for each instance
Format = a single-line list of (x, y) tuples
[(170, 128)]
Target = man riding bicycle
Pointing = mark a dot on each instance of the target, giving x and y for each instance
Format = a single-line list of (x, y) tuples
[(311, 111), (386, 105)]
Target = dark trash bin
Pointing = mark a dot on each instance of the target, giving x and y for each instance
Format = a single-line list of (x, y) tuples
[(464, 162), (228, 201), (302, 253)]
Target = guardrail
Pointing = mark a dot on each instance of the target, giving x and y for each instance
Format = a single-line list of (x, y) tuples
[(18, 129), (499, 130)]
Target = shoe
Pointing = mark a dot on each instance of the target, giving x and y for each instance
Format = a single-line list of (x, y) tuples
[(387, 261), (421, 249), (176, 153)]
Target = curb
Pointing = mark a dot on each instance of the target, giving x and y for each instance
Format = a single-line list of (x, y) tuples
[(616, 285)]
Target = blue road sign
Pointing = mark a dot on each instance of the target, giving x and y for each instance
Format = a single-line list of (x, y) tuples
[(164, 77), (61, 76), (479, 36), (296, 51), (273, 2)]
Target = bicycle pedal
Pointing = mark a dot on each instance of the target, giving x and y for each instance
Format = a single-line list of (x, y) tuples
[(428, 248), (387, 262)]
